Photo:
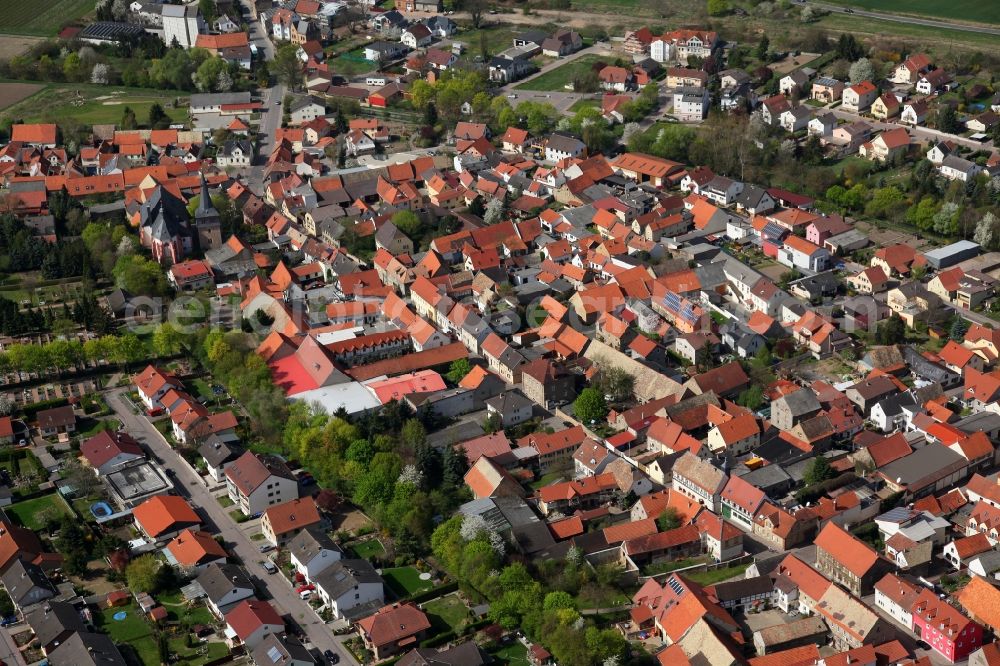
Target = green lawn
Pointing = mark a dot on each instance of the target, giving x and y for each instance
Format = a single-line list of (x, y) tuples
[(46, 18), (664, 567), (705, 578), (352, 63), (405, 581), (496, 39), (559, 77), (959, 10), (448, 612), (936, 40), (514, 654), (201, 653), (366, 550), (548, 479), (581, 104), (202, 389), (95, 105), (34, 513), (178, 608), (134, 630)]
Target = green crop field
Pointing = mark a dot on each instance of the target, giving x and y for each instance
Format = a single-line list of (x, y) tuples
[(959, 10), (19, 17)]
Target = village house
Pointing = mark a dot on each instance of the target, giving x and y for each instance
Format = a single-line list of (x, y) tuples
[(846, 560), (859, 97)]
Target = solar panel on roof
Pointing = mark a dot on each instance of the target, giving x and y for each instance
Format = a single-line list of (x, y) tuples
[(675, 585), (274, 654)]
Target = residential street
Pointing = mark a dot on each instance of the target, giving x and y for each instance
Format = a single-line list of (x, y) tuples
[(284, 598), (924, 134), (270, 116)]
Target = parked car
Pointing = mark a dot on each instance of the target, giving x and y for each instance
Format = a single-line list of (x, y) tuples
[(266, 548), (155, 411), (269, 566), (331, 657)]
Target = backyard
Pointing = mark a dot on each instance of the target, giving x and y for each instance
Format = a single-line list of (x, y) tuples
[(514, 654), (35, 513), (132, 630), (405, 581), (447, 612), (560, 77), (706, 578), (368, 550)]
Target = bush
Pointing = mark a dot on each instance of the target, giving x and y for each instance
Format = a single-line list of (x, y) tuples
[(814, 492)]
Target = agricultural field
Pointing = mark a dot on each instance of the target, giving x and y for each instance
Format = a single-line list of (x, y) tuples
[(558, 78), (91, 105), (957, 10), (41, 18), (12, 93), (14, 45), (932, 39)]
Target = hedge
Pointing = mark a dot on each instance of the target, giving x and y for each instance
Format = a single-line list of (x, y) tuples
[(817, 490), (433, 593), (31, 411)]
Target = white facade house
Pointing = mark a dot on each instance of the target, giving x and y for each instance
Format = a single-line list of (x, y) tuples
[(800, 253), (312, 552), (662, 50), (896, 596), (795, 119), (255, 483), (348, 584), (954, 167), (822, 125), (691, 104), (183, 24)]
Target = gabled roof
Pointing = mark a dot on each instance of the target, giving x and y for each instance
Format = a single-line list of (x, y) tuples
[(193, 547), (105, 445), (293, 515), (250, 615), (164, 513), (395, 624), (849, 551)]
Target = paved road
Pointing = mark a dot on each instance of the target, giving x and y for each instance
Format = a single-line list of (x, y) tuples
[(924, 134), (284, 598), (270, 117), (912, 20)]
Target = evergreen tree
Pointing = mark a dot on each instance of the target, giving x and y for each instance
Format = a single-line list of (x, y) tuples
[(455, 465)]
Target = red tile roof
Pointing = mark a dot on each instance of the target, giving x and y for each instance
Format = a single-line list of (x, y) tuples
[(164, 513), (251, 615), (849, 551), (394, 624), (191, 548), (105, 445), (292, 516)]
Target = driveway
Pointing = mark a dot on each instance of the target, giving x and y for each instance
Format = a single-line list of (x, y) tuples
[(189, 485), (8, 650)]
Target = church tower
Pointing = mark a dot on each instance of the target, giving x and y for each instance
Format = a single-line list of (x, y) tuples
[(206, 220)]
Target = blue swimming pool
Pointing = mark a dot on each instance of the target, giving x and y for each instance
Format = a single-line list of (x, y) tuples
[(101, 509)]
